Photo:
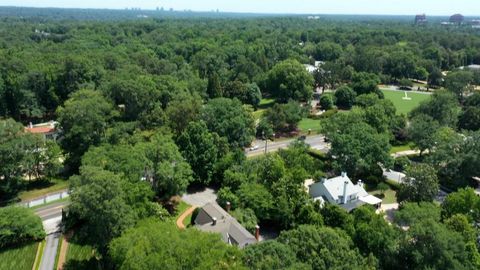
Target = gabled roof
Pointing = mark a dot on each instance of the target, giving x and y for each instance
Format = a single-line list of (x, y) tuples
[(232, 232), (40, 130), (334, 187)]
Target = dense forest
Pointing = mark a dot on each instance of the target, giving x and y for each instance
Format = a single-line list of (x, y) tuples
[(150, 107)]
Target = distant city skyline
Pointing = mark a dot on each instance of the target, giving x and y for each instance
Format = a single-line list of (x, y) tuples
[(373, 7)]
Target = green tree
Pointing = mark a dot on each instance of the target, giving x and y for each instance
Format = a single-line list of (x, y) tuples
[(420, 184), (182, 110), (443, 107), (326, 101), (431, 245), (171, 173), (345, 97), (470, 119), (365, 83), (83, 120), (336, 217), (160, 245), (374, 235), (289, 80), (412, 213), (15, 146), (257, 198), (201, 149), (359, 148), (19, 225), (336, 248), (421, 131), (270, 255), (99, 204), (458, 82), (246, 217), (229, 119), (465, 202)]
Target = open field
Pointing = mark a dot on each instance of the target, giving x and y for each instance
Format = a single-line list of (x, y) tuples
[(19, 258), (308, 123), (401, 148), (405, 106)]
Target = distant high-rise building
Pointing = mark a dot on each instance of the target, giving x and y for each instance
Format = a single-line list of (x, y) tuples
[(421, 19), (457, 18)]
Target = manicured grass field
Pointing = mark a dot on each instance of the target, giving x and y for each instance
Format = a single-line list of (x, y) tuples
[(402, 105), (389, 197), (311, 124), (20, 258)]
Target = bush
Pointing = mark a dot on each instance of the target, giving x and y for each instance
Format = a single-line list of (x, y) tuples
[(326, 101), (19, 225), (329, 113), (401, 164), (225, 195), (345, 97)]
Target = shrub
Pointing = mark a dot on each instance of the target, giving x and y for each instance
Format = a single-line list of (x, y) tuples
[(326, 101), (19, 225), (345, 97)]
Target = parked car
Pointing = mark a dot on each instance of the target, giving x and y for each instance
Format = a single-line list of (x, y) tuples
[(255, 147)]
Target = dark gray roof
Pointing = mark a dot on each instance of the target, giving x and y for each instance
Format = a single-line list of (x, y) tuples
[(232, 232)]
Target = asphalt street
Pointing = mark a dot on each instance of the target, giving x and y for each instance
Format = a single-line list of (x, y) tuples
[(51, 216), (317, 142)]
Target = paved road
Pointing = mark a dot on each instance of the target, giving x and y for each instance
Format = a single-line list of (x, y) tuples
[(51, 211), (394, 176), (51, 216), (316, 142), (50, 252)]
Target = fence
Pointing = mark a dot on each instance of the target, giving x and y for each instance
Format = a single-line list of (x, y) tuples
[(46, 199)]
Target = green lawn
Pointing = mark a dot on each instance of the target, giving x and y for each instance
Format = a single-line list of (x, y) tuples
[(312, 124), (402, 105), (20, 258), (389, 197), (39, 188), (266, 103), (182, 207), (401, 148)]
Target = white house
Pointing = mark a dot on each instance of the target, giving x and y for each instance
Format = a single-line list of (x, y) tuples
[(48, 131), (342, 192)]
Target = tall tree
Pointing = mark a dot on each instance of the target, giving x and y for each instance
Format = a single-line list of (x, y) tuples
[(228, 118), (419, 185), (83, 120), (290, 80), (201, 148)]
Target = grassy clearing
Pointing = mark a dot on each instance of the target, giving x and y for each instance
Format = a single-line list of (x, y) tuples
[(50, 203), (182, 207), (19, 258), (401, 148), (79, 253), (389, 197), (405, 106), (41, 188), (309, 124), (266, 103)]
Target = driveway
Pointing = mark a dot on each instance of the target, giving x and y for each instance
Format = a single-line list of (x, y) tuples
[(394, 176), (200, 198), (50, 252)]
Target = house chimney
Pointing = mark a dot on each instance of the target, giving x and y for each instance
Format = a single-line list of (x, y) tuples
[(344, 174), (345, 192), (30, 125), (257, 233), (360, 183), (322, 180), (214, 221), (228, 207)]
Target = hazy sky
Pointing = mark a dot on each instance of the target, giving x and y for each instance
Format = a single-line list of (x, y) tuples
[(401, 7)]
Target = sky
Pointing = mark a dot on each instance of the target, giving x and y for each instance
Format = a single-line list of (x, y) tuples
[(387, 7)]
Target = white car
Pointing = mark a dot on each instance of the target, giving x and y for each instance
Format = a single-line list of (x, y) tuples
[(253, 148)]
